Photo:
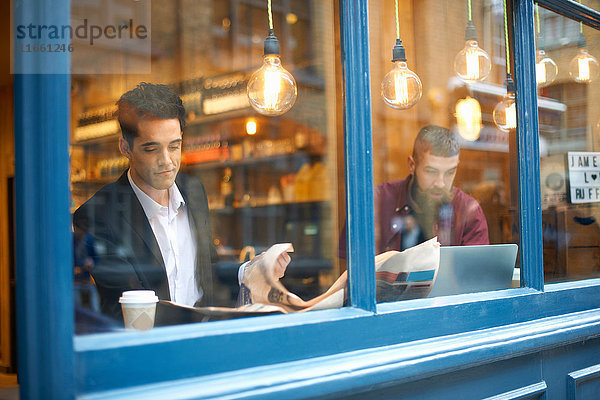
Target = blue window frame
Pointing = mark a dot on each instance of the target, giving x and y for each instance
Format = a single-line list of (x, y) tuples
[(55, 364)]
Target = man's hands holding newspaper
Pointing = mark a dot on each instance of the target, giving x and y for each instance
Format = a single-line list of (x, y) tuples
[(260, 283), (399, 276)]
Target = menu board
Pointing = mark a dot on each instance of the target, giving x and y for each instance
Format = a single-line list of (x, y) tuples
[(584, 176)]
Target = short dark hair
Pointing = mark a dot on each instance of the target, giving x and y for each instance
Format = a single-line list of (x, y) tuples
[(148, 100), (439, 141)]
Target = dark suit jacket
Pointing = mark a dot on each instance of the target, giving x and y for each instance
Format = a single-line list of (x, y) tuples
[(128, 254)]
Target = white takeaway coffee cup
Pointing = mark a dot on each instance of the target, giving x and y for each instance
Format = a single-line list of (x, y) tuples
[(139, 309)]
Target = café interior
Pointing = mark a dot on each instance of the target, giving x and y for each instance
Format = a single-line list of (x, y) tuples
[(280, 177)]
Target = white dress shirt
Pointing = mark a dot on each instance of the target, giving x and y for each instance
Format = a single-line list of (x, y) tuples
[(173, 232)]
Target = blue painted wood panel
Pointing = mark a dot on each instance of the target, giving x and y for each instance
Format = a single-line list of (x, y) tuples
[(469, 366), (537, 391), (480, 364), (482, 382), (559, 362), (43, 237), (358, 153), (584, 384), (528, 154), (573, 9), (278, 339), (44, 265)]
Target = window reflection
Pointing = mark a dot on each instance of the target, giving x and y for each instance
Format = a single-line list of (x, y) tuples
[(568, 125), (263, 180), (443, 169)]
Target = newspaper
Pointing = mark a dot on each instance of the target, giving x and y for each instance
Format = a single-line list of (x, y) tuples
[(405, 275), (409, 274)]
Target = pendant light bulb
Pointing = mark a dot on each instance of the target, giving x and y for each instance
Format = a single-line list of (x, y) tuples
[(584, 67), (468, 118), (505, 112), (271, 89), (472, 63), (401, 88), (546, 69)]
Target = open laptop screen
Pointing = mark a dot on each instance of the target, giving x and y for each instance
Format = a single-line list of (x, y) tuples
[(470, 269)]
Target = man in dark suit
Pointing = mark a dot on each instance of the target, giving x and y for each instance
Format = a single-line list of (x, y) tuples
[(151, 227)]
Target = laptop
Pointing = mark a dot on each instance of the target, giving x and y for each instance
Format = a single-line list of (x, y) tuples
[(470, 269)]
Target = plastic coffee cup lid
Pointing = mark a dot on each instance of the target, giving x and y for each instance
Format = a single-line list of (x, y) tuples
[(138, 296)]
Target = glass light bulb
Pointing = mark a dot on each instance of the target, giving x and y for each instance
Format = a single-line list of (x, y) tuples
[(271, 89), (251, 127), (468, 118), (472, 64), (505, 113), (546, 69), (401, 88), (584, 67)]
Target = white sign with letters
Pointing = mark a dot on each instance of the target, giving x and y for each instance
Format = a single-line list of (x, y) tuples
[(584, 176)]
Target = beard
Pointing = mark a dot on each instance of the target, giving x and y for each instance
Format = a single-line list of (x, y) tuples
[(430, 200)]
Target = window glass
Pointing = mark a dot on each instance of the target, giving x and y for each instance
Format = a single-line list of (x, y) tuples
[(178, 212), (459, 184), (569, 125)]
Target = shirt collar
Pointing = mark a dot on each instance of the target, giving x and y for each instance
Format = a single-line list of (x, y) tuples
[(151, 207)]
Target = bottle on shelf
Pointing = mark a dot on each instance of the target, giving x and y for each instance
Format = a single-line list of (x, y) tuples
[(224, 149), (227, 187), (301, 183)]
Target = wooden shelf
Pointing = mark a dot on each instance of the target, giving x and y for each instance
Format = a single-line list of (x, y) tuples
[(232, 209), (98, 140), (250, 160), (96, 182)]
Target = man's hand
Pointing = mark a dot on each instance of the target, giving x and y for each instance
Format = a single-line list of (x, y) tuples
[(271, 263), (262, 274), (273, 266)]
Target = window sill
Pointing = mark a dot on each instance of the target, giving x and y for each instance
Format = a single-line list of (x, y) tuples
[(197, 350), (377, 368)]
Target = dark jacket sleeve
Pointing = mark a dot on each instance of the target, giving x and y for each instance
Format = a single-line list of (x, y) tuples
[(113, 271), (126, 258)]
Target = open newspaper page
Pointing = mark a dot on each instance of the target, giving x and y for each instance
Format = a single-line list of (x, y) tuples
[(409, 274), (261, 286), (400, 275)]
